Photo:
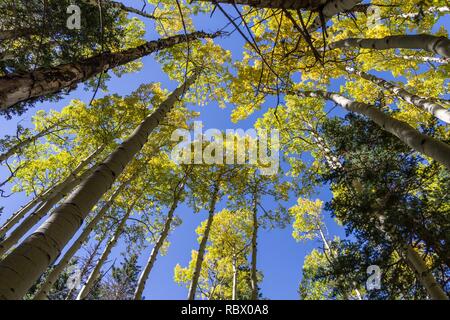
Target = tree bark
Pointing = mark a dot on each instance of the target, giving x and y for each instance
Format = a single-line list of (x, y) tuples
[(434, 44), (202, 248), (425, 59), (86, 289), (332, 8), (41, 211), (414, 261), (19, 88), (254, 270), (235, 280), (51, 192), (62, 264), (421, 143), (274, 4), (16, 33), (23, 266), (425, 104), (19, 146), (155, 252)]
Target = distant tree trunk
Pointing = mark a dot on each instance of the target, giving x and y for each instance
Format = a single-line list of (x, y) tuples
[(41, 248), (41, 211), (45, 287), (24, 143), (49, 193), (202, 248), (438, 45), (425, 104), (16, 33), (274, 4), (92, 279), (255, 225), (421, 143), (45, 81), (155, 252)]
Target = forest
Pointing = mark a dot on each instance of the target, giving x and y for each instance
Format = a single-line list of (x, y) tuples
[(224, 150)]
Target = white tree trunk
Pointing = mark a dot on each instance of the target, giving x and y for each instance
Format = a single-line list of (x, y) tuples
[(331, 9), (56, 270), (22, 144), (425, 104), (235, 280), (41, 211), (425, 59), (438, 45), (422, 143), (49, 193), (415, 262), (92, 279), (255, 226), (202, 247), (274, 4), (23, 266), (17, 88)]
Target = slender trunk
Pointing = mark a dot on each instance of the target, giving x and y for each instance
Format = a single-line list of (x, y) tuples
[(332, 8), (424, 275), (155, 252), (235, 278), (23, 143), (121, 6), (435, 44), (425, 104), (45, 81), (49, 193), (421, 143), (62, 264), (202, 247), (425, 59), (41, 211), (86, 289), (274, 4), (87, 264), (254, 271), (41, 248)]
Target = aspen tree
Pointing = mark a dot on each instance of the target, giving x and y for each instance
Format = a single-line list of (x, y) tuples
[(19, 88), (43, 246), (90, 282)]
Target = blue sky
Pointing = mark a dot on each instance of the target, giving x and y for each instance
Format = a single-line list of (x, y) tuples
[(280, 257)]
